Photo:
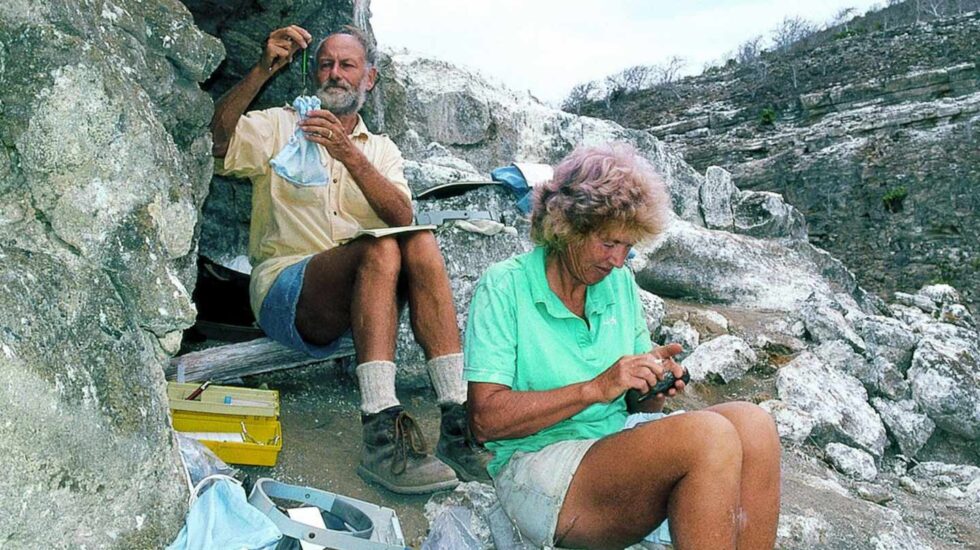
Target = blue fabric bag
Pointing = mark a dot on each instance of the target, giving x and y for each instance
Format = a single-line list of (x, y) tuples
[(299, 160), (222, 519), (512, 178)]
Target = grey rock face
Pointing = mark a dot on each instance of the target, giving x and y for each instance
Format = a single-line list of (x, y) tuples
[(888, 339), (106, 160), (717, 267), (825, 323), (794, 425), (655, 310), (766, 215), (472, 515), (940, 295), (725, 357), (717, 194), (681, 332), (837, 402), (945, 380), (870, 134), (840, 356), (940, 475), (852, 462), (818, 511), (909, 429)]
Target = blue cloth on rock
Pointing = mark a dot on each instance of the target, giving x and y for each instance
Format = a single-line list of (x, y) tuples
[(299, 160), (512, 178), (221, 518)]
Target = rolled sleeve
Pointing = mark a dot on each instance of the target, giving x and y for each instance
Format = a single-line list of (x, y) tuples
[(491, 338), (391, 165)]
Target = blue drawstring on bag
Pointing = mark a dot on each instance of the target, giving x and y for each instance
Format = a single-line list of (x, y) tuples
[(221, 518), (299, 160)]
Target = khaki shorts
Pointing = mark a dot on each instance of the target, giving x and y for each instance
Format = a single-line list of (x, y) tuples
[(532, 487)]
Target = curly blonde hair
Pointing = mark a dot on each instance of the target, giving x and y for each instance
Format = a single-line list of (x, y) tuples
[(596, 190)]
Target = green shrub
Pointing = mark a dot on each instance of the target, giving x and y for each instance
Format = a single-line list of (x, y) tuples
[(894, 197), (767, 117)]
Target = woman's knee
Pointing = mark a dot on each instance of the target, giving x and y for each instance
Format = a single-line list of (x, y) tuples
[(714, 439), (756, 427)]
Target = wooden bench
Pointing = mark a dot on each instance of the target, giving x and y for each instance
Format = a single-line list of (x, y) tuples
[(232, 361)]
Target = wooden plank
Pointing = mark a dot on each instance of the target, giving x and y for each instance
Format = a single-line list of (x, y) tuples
[(246, 358)]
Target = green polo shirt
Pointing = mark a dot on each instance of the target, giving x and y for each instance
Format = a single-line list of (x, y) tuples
[(521, 335)]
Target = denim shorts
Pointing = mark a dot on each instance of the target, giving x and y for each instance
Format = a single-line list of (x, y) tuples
[(532, 487), (278, 314)]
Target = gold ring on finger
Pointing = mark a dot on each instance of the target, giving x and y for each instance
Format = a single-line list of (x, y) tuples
[(329, 134)]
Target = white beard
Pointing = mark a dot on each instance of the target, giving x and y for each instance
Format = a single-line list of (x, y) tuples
[(340, 99)]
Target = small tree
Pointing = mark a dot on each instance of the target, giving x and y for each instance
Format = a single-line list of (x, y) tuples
[(637, 77), (791, 31), (843, 17), (580, 95), (669, 71), (749, 52)]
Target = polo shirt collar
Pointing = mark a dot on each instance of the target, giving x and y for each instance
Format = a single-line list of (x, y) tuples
[(597, 298)]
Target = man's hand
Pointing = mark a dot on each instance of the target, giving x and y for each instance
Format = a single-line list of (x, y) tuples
[(638, 372), (325, 128), (281, 45), (279, 50)]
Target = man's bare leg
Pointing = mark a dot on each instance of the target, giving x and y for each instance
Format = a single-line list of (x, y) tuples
[(430, 298), (356, 285), (689, 465), (433, 316), (353, 286)]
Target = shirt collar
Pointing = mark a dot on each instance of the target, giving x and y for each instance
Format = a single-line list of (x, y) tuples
[(360, 129), (597, 298)]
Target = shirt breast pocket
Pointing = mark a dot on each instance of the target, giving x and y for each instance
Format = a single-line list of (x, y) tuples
[(302, 195), (355, 204)]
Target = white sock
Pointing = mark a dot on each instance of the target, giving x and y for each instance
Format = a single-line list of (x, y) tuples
[(377, 381), (446, 373)]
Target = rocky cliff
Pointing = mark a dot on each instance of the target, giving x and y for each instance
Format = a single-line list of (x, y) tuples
[(104, 165), (870, 133)]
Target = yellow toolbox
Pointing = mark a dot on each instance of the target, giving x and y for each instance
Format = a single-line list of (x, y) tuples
[(240, 425)]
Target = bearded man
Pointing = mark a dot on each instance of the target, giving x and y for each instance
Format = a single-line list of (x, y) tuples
[(308, 290)]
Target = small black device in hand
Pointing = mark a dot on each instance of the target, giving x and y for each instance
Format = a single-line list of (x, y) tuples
[(665, 384)]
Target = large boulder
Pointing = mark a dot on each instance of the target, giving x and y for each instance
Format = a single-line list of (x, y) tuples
[(909, 428), (945, 379), (726, 358), (695, 263), (837, 402), (106, 161)]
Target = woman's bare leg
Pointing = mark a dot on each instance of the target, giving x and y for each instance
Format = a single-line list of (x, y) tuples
[(759, 500), (688, 465)]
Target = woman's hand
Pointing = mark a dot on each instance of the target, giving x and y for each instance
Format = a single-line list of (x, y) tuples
[(655, 403), (638, 372)]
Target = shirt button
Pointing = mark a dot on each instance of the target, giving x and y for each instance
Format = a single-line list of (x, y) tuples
[(334, 212), (335, 180)]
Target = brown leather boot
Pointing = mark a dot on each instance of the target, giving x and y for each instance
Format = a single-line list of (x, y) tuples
[(394, 455), (457, 446)]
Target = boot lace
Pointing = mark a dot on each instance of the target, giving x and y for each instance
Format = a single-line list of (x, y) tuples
[(409, 441)]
